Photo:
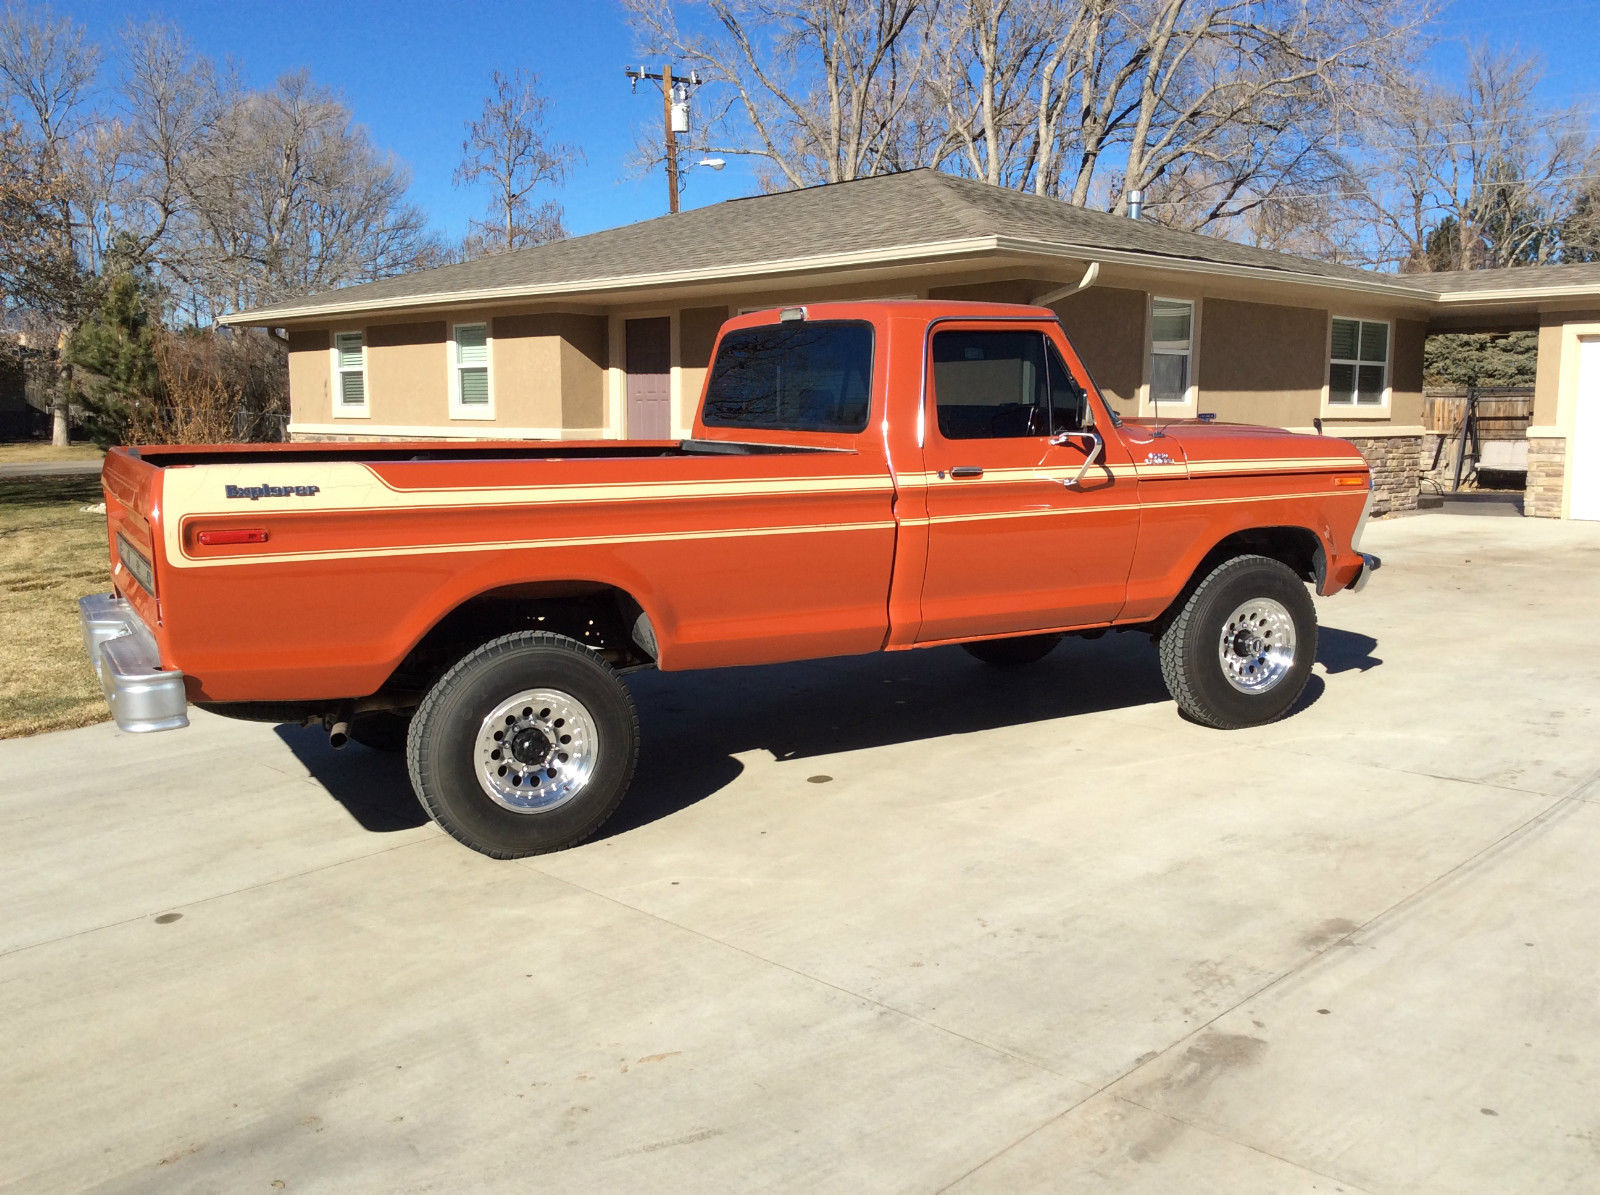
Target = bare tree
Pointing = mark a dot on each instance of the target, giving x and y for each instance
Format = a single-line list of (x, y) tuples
[(1473, 177), (289, 196), (508, 147), (46, 70), (1211, 107), (820, 86)]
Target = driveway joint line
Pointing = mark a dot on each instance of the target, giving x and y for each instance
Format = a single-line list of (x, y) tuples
[(806, 975), (1569, 799), (205, 900)]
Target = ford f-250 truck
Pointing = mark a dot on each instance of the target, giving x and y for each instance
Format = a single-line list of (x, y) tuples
[(861, 477)]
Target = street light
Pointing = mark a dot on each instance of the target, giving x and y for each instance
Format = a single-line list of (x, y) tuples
[(711, 163)]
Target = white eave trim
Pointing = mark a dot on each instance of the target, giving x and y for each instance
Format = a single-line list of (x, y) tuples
[(1521, 294), (1376, 285), (1191, 265), (934, 249)]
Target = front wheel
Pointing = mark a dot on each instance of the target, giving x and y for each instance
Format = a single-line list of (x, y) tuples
[(525, 746), (1239, 653)]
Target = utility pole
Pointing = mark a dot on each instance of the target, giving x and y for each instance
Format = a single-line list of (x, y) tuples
[(675, 113)]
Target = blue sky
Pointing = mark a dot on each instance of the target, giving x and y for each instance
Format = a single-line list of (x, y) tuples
[(414, 73)]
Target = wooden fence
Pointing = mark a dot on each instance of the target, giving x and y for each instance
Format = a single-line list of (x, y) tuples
[(1502, 414)]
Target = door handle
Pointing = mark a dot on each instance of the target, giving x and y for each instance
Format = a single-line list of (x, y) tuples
[(961, 471)]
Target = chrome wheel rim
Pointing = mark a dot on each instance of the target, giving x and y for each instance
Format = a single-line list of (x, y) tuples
[(1257, 645), (536, 751)]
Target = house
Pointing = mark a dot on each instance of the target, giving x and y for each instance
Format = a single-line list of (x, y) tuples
[(609, 335)]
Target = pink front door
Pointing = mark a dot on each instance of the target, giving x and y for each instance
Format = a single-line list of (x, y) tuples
[(648, 347)]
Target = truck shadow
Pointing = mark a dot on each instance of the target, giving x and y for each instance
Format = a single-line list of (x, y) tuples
[(695, 725)]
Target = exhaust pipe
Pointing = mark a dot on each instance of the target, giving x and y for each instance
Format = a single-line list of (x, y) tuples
[(338, 734)]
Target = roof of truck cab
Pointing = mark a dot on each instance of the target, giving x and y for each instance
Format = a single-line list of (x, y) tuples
[(889, 308)]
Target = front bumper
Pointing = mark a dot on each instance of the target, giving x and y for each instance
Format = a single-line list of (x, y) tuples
[(142, 696), (1369, 565)]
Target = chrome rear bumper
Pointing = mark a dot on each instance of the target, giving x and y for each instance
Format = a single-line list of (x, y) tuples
[(141, 695)]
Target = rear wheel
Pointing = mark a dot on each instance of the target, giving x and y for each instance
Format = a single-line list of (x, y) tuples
[(1012, 653), (525, 746), (1239, 653)]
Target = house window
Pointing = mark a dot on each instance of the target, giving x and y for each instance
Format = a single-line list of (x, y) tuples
[(1358, 367), (469, 373), (350, 374), (1171, 351)]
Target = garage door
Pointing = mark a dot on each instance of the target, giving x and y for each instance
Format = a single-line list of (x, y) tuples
[(1585, 447)]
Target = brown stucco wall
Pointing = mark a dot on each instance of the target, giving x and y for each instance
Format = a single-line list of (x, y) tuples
[(1260, 363), (1405, 372), (697, 335), (1106, 326), (310, 376), (583, 370), (527, 370), (406, 373), (1547, 376)]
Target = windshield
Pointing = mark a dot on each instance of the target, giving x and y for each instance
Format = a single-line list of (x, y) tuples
[(793, 376)]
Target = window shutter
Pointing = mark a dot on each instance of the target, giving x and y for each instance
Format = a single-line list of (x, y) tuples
[(474, 387), (1346, 335), (1170, 321), (352, 388), (472, 344), (348, 346), (1375, 343)]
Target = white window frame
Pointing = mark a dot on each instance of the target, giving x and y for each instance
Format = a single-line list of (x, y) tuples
[(458, 409), (1191, 394), (342, 409), (1351, 408)]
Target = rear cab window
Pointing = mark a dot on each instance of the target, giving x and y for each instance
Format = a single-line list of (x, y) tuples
[(794, 376)]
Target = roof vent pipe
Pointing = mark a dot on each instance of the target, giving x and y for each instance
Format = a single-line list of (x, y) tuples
[(1135, 203)]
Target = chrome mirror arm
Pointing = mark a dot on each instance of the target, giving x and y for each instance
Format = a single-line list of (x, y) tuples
[(1065, 438)]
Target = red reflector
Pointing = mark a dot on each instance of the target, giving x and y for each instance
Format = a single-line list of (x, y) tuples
[(213, 539)]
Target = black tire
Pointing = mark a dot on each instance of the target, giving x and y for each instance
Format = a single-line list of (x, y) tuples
[(381, 730), (1192, 647), (443, 751), (1012, 653)]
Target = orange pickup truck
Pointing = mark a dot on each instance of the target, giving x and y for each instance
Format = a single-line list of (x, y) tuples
[(861, 477)]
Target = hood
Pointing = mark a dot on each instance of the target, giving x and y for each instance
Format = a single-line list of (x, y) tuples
[(1211, 448)]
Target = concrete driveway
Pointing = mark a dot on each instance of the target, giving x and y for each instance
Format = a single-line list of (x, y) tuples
[(894, 924)]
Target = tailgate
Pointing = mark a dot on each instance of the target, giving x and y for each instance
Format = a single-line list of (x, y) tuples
[(132, 489)]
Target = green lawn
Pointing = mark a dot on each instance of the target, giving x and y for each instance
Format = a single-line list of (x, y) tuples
[(51, 554)]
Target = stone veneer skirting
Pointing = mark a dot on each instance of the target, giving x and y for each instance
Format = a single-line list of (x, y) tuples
[(1547, 474), (1396, 470)]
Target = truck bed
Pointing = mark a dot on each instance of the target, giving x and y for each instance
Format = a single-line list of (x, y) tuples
[(535, 450)]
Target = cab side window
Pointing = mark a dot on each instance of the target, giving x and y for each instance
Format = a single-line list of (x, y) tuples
[(991, 385)]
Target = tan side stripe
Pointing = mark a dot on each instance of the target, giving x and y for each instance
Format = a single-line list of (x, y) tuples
[(520, 544), (1176, 470), (1091, 510)]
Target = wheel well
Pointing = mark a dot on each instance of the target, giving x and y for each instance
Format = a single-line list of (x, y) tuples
[(1297, 547), (599, 616)]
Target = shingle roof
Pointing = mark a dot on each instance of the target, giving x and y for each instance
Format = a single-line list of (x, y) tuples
[(1467, 282), (869, 216)]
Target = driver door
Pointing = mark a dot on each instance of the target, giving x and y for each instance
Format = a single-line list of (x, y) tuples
[(1017, 540)]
